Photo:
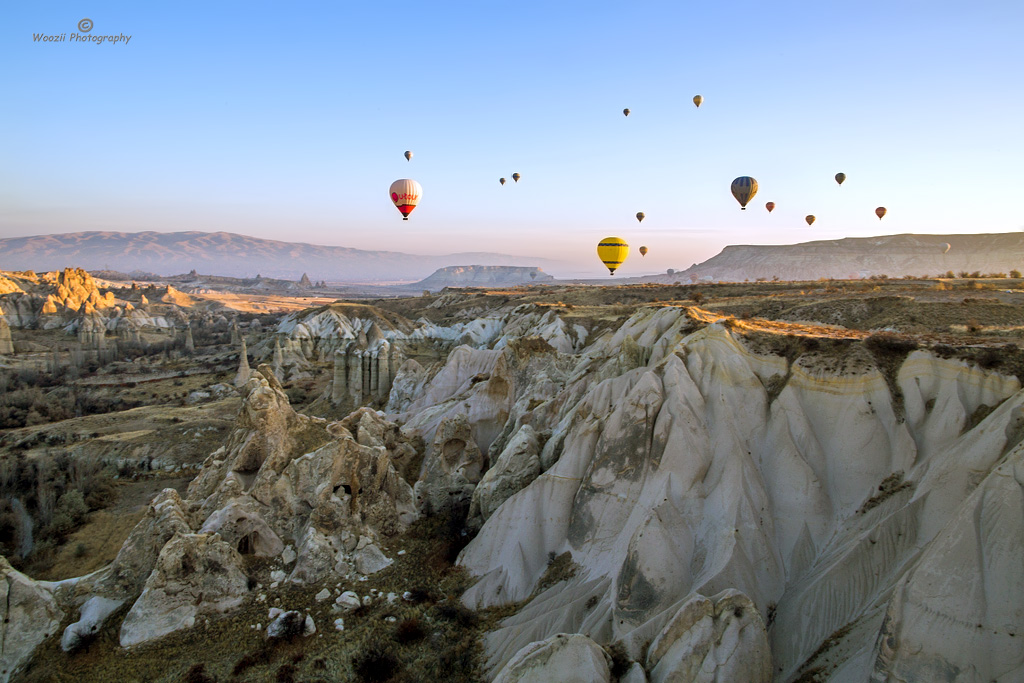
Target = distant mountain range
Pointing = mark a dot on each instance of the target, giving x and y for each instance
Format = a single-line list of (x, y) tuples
[(859, 257), (225, 253)]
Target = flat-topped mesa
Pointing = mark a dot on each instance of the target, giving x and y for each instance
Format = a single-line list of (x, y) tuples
[(859, 257), (483, 276)]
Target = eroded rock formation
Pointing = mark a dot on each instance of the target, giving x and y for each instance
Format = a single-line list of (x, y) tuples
[(29, 614), (6, 345), (283, 484)]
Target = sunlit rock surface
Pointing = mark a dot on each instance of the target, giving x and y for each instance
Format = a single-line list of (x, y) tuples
[(691, 465)]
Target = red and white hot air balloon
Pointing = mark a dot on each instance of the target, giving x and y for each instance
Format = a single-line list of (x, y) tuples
[(405, 194)]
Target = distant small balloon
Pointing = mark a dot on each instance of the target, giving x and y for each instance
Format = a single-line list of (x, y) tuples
[(643, 251), (946, 246), (770, 206), (810, 219), (840, 177), (625, 112), (640, 216), (501, 180), (516, 177), (880, 212), (698, 100), (408, 156)]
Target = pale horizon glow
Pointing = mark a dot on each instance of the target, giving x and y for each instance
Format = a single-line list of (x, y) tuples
[(267, 121)]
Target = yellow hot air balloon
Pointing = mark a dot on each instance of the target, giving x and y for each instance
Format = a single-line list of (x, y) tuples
[(612, 251), (946, 246), (625, 112), (840, 177), (770, 206), (405, 194), (408, 156), (516, 177), (640, 216), (810, 219), (743, 189), (698, 99), (880, 212), (643, 251), (501, 180)]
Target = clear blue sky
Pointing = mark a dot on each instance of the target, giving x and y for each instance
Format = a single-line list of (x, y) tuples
[(288, 123)]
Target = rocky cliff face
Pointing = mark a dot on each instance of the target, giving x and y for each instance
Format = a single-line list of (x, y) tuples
[(681, 464), (860, 257), (671, 463), (667, 486)]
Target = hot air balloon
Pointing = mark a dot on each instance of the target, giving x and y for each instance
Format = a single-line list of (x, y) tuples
[(743, 189), (640, 216), (946, 246), (408, 156), (698, 99), (533, 274), (501, 180), (880, 212), (625, 112), (612, 251), (840, 177), (406, 193), (643, 251), (770, 206), (810, 219), (516, 177)]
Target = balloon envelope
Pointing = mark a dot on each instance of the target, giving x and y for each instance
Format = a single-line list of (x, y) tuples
[(840, 177), (625, 112), (698, 99), (946, 247), (810, 220), (408, 156), (770, 206), (643, 251), (743, 189), (405, 194), (880, 212), (612, 251), (516, 177), (501, 180), (640, 216)]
